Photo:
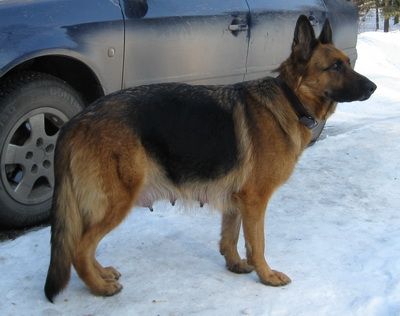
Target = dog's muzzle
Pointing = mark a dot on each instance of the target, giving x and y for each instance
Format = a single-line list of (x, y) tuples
[(369, 89)]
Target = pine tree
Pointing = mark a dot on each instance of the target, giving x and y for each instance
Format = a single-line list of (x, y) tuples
[(365, 6), (389, 8)]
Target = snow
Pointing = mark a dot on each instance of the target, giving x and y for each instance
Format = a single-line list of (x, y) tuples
[(333, 228)]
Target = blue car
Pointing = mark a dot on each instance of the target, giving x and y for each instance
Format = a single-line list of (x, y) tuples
[(57, 56)]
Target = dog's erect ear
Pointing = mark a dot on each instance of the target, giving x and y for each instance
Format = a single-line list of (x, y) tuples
[(326, 34), (304, 39)]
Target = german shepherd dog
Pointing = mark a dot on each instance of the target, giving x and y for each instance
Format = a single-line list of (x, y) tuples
[(229, 146)]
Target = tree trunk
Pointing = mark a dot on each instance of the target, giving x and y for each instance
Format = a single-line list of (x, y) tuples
[(396, 19), (386, 20), (377, 14), (386, 25)]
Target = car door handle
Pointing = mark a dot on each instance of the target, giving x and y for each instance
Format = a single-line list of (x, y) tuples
[(238, 27)]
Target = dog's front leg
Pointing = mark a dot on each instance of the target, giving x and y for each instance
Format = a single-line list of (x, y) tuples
[(253, 215)]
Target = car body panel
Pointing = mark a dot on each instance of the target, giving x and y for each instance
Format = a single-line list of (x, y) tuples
[(176, 40), (343, 17), (186, 41), (273, 23), (83, 30)]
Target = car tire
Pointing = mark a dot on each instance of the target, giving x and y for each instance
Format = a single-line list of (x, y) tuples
[(33, 107)]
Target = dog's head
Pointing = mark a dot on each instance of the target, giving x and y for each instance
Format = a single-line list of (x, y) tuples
[(317, 68)]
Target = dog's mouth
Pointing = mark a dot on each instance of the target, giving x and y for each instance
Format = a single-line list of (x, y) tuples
[(351, 95), (339, 97), (367, 95), (363, 98)]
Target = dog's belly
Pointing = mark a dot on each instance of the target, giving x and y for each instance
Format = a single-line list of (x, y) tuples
[(151, 194), (218, 194)]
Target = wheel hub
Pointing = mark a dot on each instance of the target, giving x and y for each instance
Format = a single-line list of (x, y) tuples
[(28, 155)]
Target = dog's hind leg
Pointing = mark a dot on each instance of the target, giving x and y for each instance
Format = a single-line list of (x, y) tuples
[(121, 177), (230, 229), (87, 267), (100, 280)]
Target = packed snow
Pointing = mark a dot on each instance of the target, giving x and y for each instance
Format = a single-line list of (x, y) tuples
[(334, 228)]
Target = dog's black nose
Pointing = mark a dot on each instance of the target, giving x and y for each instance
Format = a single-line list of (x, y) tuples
[(369, 88)]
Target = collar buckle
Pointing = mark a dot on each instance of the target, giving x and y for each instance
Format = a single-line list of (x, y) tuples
[(308, 121)]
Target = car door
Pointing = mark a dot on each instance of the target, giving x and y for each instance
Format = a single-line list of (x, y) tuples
[(196, 41), (343, 17), (272, 27)]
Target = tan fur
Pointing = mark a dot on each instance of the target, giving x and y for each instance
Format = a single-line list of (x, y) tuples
[(104, 170)]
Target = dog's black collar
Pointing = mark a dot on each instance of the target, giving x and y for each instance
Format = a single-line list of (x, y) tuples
[(304, 116)]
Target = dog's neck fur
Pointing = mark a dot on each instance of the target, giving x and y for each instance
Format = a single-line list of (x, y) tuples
[(320, 107), (303, 114), (264, 92)]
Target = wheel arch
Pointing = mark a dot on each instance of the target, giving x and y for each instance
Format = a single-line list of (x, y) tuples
[(78, 74)]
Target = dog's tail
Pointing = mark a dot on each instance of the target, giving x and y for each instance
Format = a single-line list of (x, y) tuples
[(66, 230)]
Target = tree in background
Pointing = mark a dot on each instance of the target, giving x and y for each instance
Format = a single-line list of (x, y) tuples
[(388, 8)]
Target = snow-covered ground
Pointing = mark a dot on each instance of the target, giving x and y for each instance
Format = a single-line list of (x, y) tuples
[(334, 228)]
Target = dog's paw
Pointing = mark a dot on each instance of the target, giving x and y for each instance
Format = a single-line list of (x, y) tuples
[(110, 273), (112, 288), (275, 278), (106, 288), (240, 267)]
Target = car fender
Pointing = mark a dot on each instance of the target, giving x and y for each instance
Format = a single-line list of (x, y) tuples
[(89, 31)]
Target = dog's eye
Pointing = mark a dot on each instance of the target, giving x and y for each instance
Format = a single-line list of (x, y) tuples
[(336, 66)]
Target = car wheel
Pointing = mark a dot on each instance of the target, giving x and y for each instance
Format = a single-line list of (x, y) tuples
[(33, 107)]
